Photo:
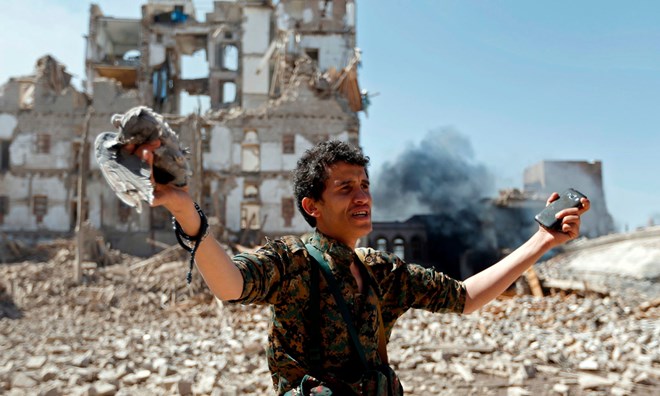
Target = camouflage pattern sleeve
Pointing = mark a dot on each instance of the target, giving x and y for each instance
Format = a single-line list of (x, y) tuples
[(404, 286), (265, 272)]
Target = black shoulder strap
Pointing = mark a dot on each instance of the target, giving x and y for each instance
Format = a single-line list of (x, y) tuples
[(317, 255), (382, 344), (314, 314)]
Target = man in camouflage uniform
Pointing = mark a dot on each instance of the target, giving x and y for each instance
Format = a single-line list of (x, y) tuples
[(331, 184)]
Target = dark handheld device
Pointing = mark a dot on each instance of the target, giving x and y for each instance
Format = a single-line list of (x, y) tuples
[(568, 199)]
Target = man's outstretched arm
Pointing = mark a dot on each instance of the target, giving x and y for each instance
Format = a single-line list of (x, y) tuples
[(218, 270), (491, 282)]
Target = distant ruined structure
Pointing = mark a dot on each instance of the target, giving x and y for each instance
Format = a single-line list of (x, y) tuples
[(281, 77), (543, 178)]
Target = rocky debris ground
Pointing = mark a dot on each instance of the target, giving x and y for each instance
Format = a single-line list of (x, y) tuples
[(135, 328), (624, 265)]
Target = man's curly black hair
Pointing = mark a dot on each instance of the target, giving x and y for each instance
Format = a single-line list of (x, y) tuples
[(311, 171)]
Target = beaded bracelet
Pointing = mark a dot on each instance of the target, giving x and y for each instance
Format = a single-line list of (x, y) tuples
[(189, 243)]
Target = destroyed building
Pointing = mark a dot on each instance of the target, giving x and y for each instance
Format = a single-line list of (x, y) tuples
[(41, 121), (543, 178), (281, 77)]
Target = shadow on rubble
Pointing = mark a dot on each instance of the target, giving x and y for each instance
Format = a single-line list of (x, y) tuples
[(15, 251), (7, 307)]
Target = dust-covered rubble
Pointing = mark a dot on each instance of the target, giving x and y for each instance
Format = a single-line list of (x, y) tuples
[(136, 328)]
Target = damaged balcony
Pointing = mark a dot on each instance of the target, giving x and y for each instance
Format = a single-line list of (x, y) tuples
[(113, 49)]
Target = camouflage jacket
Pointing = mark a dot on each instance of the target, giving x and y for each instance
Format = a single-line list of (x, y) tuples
[(279, 275)]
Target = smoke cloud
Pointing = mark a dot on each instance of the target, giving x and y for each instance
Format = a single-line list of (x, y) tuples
[(439, 183), (439, 176)]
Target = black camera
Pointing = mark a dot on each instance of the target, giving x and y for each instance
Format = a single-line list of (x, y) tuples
[(568, 199)]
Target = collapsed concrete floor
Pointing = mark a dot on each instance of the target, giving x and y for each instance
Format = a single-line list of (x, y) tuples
[(136, 328)]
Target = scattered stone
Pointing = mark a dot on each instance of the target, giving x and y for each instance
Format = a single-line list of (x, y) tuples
[(48, 373), (184, 387), (190, 363), (109, 376), (589, 365), (22, 380), (82, 360), (137, 377), (158, 363), (642, 378), (517, 391), (142, 374), (36, 362), (166, 370), (51, 390), (464, 372), (205, 384), (59, 349), (103, 389), (74, 380), (590, 381), (561, 389), (616, 391), (518, 377)]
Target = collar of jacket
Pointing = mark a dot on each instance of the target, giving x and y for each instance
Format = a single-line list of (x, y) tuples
[(340, 253)]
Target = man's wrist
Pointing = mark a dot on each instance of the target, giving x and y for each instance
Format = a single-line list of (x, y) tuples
[(190, 239), (544, 240), (191, 242), (181, 207), (187, 216)]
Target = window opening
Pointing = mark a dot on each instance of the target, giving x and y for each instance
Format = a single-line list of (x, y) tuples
[(288, 211), (229, 58), (399, 248), (288, 143), (43, 143), (4, 155), (40, 207), (123, 211), (250, 216), (4, 207), (313, 54), (250, 152), (228, 92), (206, 139)]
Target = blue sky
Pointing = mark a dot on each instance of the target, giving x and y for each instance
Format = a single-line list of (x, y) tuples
[(525, 81)]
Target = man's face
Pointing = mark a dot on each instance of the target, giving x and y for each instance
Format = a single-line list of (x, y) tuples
[(344, 211)]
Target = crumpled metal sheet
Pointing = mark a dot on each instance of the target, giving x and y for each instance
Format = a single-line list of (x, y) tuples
[(128, 175)]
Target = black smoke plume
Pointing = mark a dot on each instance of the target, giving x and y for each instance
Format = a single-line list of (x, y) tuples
[(439, 176), (439, 183)]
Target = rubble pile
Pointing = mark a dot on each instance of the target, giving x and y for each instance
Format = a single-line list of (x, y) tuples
[(137, 328), (625, 265), (550, 345)]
